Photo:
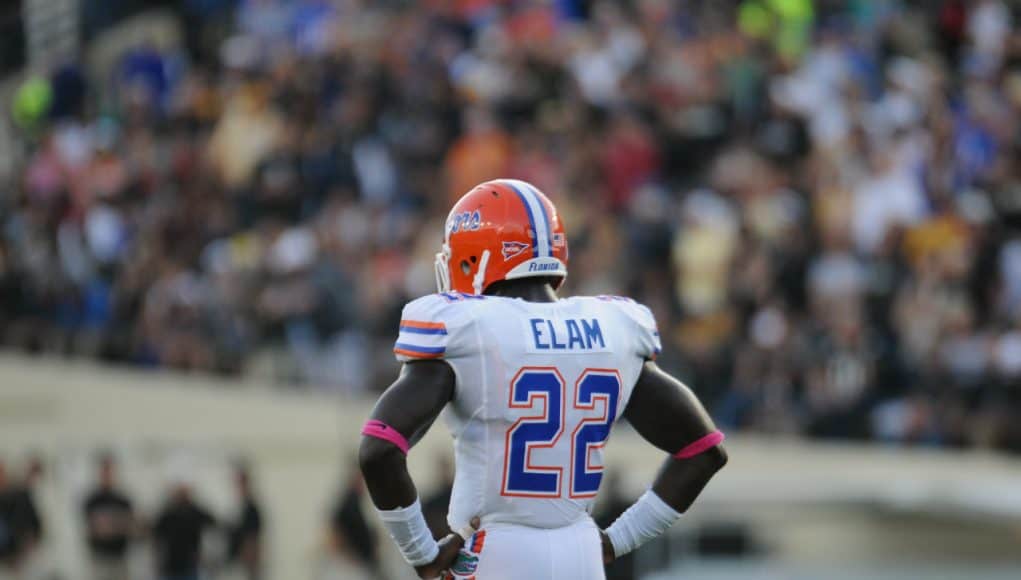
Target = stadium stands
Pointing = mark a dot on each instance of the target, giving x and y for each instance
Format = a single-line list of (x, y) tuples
[(818, 200)]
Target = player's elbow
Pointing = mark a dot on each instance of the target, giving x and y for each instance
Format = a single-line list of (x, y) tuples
[(705, 465), (377, 457), (716, 458)]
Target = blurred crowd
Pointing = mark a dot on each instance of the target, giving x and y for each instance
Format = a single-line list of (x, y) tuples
[(112, 525), (820, 201), (183, 538)]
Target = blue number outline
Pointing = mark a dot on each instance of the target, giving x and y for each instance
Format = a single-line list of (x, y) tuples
[(514, 445), (591, 433), (586, 400)]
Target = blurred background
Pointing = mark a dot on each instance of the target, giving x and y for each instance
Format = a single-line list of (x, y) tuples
[(212, 212)]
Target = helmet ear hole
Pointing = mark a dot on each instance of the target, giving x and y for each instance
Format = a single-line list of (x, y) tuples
[(473, 259), (466, 267)]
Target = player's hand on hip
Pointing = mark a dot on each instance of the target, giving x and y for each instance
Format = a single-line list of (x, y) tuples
[(449, 548), (608, 555)]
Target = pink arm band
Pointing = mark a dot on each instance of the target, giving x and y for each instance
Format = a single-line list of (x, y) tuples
[(702, 445), (381, 430)]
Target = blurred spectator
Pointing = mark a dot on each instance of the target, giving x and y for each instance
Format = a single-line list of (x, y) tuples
[(177, 534), (244, 540), (25, 525), (482, 152), (352, 540), (9, 548), (437, 503), (246, 133), (109, 524)]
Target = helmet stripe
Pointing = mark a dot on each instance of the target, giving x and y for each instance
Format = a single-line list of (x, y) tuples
[(547, 224), (536, 218), (531, 219)]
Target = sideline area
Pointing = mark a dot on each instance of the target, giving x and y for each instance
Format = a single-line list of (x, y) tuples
[(168, 427)]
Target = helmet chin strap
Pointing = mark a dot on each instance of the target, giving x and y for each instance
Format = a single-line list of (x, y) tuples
[(480, 275)]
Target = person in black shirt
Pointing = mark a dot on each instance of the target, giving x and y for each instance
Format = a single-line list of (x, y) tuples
[(8, 540), (350, 530), (20, 523), (109, 524), (178, 535), (244, 548)]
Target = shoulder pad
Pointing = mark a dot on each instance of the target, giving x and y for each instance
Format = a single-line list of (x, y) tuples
[(644, 324), (430, 323)]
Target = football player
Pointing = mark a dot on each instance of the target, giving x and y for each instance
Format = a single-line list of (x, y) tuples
[(531, 384)]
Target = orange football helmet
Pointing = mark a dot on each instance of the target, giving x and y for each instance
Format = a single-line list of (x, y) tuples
[(501, 230)]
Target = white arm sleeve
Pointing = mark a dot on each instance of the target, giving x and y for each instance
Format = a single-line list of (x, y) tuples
[(646, 519), (409, 531)]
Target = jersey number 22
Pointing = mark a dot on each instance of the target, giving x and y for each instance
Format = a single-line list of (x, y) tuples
[(543, 390)]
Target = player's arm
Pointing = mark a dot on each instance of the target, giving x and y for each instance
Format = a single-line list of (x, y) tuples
[(667, 414), (408, 407), (401, 417)]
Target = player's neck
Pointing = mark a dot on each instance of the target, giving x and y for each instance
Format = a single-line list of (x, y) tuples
[(527, 289)]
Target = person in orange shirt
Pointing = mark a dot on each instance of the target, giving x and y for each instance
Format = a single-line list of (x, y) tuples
[(482, 153)]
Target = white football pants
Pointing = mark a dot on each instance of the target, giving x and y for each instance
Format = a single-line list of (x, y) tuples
[(509, 552)]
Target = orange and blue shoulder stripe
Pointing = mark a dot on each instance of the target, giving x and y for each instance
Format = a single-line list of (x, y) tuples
[(421, 339), (416, 351), (419, 327)]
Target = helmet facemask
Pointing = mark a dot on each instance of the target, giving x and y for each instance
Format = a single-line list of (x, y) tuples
[(479, 280), (442, 265)]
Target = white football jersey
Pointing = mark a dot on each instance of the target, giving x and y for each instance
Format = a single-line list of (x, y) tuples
[(539, 386)]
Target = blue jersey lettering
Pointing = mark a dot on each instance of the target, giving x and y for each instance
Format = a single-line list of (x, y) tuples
[(536, 334), (567, 334), (553, 337), (574, 339), (593, 333)]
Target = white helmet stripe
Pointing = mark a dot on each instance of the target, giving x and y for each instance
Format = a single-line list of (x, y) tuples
[(547, 226), (538, 211)]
